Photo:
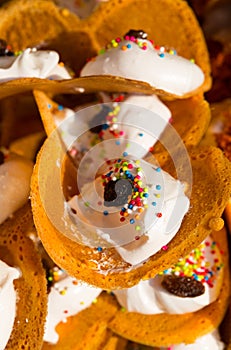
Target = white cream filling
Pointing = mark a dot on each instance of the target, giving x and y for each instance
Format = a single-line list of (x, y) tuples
[(32, 63), (210, 341), (8, 298), (141, 120), (155, 232), (149, 297), (164, 71), (15, 175), (67, 298)]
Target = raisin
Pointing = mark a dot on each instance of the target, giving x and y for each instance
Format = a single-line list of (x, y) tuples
[(183, 286), (116, 192)]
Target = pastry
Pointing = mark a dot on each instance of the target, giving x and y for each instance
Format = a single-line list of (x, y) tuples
[(95, 32), (218, 134), (23, 289), (172, 308), (83, 261)]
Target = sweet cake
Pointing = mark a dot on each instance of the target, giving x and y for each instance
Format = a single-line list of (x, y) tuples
[(130, 217)]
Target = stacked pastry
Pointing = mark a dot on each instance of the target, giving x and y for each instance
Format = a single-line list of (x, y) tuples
[(120, 203)]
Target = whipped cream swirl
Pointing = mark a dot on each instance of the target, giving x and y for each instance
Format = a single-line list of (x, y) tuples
[(149, 219), (32, 63), (8, 299), (204, 264), (139, 59)]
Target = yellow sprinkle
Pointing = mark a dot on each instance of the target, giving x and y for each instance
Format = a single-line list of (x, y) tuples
[(63, 292)]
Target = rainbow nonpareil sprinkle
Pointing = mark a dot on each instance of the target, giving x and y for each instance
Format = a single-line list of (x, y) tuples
[(197, 265)]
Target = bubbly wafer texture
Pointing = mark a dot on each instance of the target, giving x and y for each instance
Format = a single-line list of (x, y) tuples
[(17, 250), (206, 207), (88, 329), (24, 24), (165, 329)]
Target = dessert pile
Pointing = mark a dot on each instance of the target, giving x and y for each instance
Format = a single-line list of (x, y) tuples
[(115, 183)]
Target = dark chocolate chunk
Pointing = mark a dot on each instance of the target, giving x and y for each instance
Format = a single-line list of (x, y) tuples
[(183, 286), (98, 122), (1, 157), (116, 192), (138, 34)]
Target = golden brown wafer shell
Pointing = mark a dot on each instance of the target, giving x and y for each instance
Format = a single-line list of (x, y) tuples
[(88, 329), (207, 203), (17, 250)]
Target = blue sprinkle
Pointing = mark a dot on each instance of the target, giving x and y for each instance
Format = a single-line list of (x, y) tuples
[(99, 249), (158, 169), (105, 212), (109, 174), (117, 143), (195, 276), (161, 54), (105, 126), (141, 134), (123, 209), (158, 187), (125, 154), (154, 204), (206, 278), (49, 105), (132, 221), (119, 160), (129, 46), (130, 206), (60, 107), (145, 194)]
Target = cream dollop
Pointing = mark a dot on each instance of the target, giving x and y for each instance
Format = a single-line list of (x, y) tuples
[(149, 297), (32, 63), (162, 70), (8, 298), (66, 298), (15, 174), (210, 341), (133, 126), (164, 205)]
